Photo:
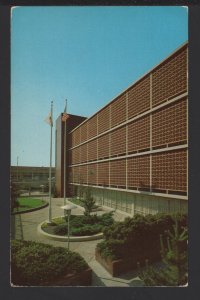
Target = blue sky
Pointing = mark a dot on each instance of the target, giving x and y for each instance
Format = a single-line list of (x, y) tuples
[(85, 54)]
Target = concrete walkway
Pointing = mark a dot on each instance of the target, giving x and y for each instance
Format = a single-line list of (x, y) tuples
[(24, 227)]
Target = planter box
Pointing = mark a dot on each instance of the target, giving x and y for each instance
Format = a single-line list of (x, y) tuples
[(120, 266), (81, 279)]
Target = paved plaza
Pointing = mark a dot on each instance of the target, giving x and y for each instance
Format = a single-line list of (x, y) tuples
[(24, 226)]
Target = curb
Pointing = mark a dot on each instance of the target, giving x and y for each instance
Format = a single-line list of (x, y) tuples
[(30, 210), (60, 238)]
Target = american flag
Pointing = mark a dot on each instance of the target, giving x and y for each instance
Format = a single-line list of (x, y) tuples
[(65, 116), (49, 120)]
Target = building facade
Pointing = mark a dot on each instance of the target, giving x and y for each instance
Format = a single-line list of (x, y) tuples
[(28, 177), (71, 123), (133, 153)]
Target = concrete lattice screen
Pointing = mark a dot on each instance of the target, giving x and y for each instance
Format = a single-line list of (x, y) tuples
[(139, 140)]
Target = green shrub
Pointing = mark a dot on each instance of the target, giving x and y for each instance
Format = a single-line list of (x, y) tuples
[(77, 221), (88, 201), (61, 229), (174, 258), (108, 248), (138, 234), (106, 219), (90, 219), (35, 263), (84, 225), (86, 230)]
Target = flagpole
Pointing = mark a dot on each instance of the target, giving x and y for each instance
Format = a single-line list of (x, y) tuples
[(50, 212), (65, 157)]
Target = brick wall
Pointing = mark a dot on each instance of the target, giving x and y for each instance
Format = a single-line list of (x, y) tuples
[(71, 139), (118, 141), (84, 132), (139, 97), (103, 146), (139, 134), (103, 173), (139, 172), (104, 120), (170, 78), (92, 127), (118, 111), (169, 124), (139, 140), (169, 171), (118, 173)]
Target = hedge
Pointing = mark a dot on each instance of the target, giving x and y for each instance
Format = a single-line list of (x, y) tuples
[(138, 236), (35, 263)]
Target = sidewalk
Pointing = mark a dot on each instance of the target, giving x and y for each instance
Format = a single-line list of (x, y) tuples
[(24, 226)]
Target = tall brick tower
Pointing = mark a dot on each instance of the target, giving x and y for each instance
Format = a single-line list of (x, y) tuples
[(71, 123)]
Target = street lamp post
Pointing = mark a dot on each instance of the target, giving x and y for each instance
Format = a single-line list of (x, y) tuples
[(67, 211)]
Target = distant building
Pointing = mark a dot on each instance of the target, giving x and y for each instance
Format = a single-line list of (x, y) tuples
[(31, 177), (133, 153)]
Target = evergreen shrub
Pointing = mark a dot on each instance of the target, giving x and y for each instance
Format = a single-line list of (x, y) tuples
[(85, 225), (35, 263), (138, 236), (174, 270)]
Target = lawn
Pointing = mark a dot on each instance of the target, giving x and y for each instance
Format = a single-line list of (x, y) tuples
[(28, 203)]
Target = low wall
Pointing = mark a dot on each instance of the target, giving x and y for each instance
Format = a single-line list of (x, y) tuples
[(120, 266)]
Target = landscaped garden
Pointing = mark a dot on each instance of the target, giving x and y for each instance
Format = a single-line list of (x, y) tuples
[(23, 204), (80, 225), (87, 224), (37, 264), (141, 239)]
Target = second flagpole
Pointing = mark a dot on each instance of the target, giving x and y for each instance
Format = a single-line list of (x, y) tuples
[(50, 212), (65, 129)]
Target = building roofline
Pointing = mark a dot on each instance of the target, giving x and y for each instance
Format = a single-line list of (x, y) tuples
[(32, 167), (134, 83), (60, 115)]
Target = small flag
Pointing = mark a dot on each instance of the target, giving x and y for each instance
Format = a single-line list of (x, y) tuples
[(49, 120), (65, 116)]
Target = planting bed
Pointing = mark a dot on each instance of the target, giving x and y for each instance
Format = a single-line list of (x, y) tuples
[(80, 225), (134, 241), (37, 264)]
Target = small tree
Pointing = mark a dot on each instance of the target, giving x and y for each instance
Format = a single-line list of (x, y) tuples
[(88, 201), (174, 257), (80, 188)]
